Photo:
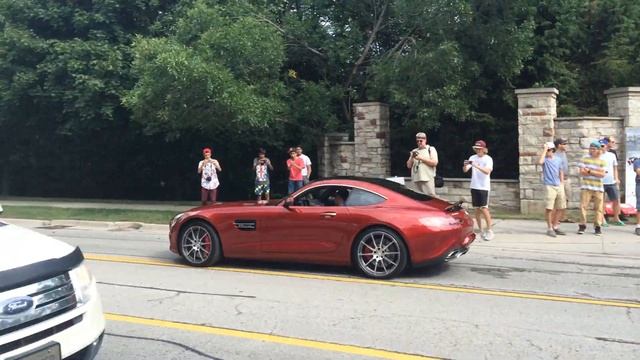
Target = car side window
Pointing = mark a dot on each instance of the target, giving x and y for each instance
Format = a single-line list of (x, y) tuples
[(311, 197), (324, 196), (359, 197)]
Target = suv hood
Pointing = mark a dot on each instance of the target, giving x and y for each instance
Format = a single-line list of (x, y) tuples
[(20, 247)]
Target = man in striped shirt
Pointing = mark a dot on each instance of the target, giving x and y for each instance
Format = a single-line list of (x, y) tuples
[(592, 170)]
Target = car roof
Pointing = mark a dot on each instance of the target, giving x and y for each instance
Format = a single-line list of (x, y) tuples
[(384, 183)]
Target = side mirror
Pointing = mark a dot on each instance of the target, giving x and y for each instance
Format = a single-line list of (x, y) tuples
[(288, 202)]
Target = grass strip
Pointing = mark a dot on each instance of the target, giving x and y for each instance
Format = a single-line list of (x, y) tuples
[(56, 213)]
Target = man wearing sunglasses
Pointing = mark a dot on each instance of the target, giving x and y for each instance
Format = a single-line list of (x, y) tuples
[(422, 162)]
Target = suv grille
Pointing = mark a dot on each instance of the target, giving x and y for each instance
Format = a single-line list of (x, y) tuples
[(50, 298)]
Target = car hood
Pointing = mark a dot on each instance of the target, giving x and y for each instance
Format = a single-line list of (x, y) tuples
[(234, 204), (20, 247)]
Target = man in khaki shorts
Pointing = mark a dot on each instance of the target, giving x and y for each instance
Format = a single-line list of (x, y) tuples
[(561, 152), (552, 177)]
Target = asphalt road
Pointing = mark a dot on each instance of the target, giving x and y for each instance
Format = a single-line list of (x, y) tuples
[(514, 297)]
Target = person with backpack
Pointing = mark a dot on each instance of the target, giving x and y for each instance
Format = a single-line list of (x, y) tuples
[(422, 162)]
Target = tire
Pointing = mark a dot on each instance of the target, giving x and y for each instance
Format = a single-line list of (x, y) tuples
[(199, 244), (380, 253)]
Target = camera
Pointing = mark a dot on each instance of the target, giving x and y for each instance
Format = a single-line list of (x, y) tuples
[(208, 178), (414, 153)]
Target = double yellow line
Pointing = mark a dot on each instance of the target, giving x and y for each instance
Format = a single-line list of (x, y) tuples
[(256, 336), (446, 288)]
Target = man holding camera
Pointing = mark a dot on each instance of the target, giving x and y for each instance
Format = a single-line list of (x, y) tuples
[(481, 166), (208, 168), (422, 162)]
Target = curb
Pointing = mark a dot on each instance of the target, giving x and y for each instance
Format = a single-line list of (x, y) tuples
[(106, 225)]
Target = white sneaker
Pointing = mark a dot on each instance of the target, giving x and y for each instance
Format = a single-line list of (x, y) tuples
[(488, 235)]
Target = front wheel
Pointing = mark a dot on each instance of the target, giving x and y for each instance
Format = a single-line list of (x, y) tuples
[(380, 253), (199, 244)]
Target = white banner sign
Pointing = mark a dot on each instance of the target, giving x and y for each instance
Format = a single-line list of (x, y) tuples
[(632, 146)]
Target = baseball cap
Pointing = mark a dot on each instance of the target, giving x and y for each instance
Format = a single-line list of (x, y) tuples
[(595, 144), (479, 144), (604, 141), (559, 141), (206, 150), (550, 145)]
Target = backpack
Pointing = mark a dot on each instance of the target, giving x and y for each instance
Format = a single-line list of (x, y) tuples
[(438, 180)]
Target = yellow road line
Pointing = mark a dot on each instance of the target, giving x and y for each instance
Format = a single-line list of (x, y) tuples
[(251, 335), (448, 288)]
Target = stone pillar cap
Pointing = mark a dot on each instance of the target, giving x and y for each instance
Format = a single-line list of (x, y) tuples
[(371, 103), (532, 91), (623, 90)]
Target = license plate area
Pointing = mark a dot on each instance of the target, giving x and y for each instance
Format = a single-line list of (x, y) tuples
[(49, 351)]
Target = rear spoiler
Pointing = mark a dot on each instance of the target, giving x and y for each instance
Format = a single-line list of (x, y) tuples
[(457, 206)]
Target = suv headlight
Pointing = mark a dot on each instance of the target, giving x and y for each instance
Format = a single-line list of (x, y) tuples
[(83, 283)]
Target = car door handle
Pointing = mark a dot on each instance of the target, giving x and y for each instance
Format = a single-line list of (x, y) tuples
[(329, 214)]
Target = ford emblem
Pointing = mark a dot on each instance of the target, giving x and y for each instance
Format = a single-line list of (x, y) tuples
[(16, 306)]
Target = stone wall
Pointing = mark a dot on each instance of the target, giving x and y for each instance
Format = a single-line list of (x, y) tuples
[(368, 154), (336, 156), (505, 194), (580, 132)]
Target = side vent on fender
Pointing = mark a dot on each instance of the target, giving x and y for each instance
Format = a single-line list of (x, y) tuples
[(245, 225)]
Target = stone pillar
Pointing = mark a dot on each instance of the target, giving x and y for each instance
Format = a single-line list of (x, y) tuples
[(371, 137), (625, 103), (536, 114)]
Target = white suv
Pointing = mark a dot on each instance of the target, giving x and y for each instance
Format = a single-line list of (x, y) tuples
[(49, 305)]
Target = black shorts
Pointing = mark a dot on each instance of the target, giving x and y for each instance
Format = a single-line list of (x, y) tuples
[(612, 191), (479, 198)]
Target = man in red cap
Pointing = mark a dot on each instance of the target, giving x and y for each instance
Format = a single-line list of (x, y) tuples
[(481, 166), (208, 168)]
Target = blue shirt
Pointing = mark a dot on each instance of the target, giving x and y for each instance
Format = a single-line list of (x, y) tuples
[(562, 155), (551, 171), (636, 165)]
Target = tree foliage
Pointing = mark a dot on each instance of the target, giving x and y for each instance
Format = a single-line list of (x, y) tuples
[(136, 87)]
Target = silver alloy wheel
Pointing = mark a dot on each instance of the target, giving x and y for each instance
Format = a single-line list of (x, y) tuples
[(196, 244), (379, 253)]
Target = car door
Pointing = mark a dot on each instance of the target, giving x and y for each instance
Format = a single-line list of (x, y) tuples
[(313, 225)]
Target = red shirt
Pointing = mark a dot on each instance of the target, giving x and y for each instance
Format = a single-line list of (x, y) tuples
[(295, 173)]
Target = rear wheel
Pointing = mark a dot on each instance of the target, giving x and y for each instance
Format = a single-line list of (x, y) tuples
[(380, 253), (199, 244)]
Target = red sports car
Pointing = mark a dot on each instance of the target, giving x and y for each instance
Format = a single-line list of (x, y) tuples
[(375, 224)]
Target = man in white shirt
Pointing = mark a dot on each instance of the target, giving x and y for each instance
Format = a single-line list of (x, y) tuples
[(610, 181), (481, 166), (306, 171)]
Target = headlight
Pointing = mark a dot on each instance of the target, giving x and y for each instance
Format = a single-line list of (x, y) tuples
[(82, 283), (175, 220)]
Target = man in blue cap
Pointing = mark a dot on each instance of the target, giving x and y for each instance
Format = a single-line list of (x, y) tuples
[(592, 170)]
